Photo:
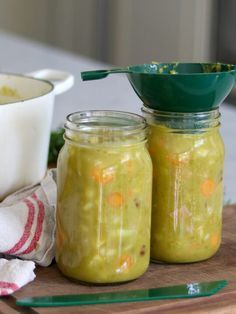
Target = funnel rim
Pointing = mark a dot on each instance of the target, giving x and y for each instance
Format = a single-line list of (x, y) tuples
[(132, 72)]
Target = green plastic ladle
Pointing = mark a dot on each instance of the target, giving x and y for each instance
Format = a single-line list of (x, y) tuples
[(177, 87)]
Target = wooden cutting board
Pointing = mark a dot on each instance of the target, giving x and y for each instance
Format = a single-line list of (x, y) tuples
[(49, 281)]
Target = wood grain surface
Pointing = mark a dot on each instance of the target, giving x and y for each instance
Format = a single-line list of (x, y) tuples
[(49, 281)]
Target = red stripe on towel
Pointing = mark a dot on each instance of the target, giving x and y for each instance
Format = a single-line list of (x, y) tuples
[(39, 227), (4, 286), (27, 228)]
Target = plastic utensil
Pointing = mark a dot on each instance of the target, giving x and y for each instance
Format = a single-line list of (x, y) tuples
[(177, 87), (191, 290)]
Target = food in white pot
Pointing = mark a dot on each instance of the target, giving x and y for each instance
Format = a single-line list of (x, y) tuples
[(25, 120)]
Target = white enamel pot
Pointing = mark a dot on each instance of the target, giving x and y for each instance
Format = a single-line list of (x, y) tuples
[(25, 126)]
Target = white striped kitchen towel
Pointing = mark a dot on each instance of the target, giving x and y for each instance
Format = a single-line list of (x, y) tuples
[(27, 222), (14, 274), (27, 233)]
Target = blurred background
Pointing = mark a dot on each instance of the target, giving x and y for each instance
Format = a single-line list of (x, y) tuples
[(81, 35), (124, 32)]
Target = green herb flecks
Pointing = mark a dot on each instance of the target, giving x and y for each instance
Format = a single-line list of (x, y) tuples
[(56, 143)]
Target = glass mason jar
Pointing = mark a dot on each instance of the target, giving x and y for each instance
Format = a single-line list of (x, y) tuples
[(188, 155), (104, 180)]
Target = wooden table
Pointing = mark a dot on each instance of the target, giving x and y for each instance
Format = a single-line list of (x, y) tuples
[(49, 281)]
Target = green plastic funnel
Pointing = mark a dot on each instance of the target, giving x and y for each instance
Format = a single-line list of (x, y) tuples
[(177, 87)]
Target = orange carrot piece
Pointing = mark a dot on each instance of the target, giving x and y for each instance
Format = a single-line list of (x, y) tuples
[(115, 199), (125, 262), (215, 239), (208, 187), (102, 177), (176, 161)]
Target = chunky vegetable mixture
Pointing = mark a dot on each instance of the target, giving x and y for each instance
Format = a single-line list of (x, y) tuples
[(104, 210), (187, 194)]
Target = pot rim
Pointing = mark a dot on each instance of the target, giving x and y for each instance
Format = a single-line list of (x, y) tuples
[(30, 78)]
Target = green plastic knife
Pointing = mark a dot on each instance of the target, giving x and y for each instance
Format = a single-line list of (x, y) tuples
[(191, 290)]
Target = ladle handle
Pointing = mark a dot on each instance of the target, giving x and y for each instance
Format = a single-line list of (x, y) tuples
[(99, 74)]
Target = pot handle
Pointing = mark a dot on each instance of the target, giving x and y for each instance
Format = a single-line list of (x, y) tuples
[(62, 81)]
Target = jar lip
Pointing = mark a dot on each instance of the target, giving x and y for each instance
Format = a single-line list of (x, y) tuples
[(184, 121), (105, 119), (214, 112)]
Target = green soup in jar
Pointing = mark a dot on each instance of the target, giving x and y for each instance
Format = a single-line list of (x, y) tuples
[(188, 155), (104, 198)]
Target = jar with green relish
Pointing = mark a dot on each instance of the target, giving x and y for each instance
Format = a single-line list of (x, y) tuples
[(104, 176), (188, 155)]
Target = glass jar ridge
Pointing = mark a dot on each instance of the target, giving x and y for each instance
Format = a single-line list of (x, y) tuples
[(105, 127), (184, 121)]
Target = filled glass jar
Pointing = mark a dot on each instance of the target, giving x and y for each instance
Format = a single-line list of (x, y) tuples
[(104, 177), (187, 153)]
